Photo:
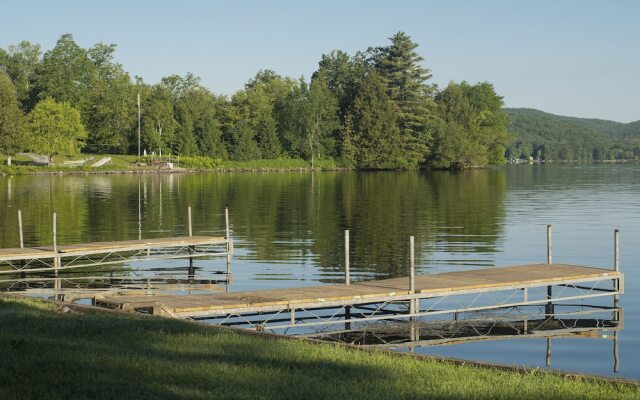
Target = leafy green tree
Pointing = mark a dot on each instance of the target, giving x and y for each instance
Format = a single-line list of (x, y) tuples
[(112, 117), (472, 130), (343, 75), (12, 135), (56, 128), (159, 125), (322, 119), (66, 74), (21, 63), (258, 104)]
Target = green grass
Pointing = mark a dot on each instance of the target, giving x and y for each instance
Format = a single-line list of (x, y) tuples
[(49, 355)]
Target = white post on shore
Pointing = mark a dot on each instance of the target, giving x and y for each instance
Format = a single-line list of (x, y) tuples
[(347, 276)]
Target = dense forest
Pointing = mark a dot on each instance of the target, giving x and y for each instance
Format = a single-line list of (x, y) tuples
[(376, 109), (552, 137)]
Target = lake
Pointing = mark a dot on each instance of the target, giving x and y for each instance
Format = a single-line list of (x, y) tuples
[(288, 231)]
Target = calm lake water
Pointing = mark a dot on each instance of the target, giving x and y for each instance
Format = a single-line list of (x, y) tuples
[(288, 229)]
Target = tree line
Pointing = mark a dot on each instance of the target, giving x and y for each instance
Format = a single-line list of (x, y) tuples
[(376, 109)]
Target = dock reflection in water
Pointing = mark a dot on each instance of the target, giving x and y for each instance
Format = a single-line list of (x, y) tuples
[(587, 322)]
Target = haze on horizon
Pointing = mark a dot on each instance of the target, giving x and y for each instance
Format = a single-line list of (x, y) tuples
[(576, 58)]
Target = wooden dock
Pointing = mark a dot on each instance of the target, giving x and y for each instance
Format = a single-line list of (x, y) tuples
[(387, 292), (59, 257), (40, 259)]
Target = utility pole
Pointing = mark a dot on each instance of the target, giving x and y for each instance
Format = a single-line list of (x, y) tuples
[(138, 127)]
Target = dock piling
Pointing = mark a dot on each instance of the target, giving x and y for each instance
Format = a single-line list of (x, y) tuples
[(616, 250), (549, 246), (347, 277), (228, 238), (55, 245), (191, 248), (549, 307), (20, 229), (56, 260), (616, 264), (190, 225), (412, 274), (548, 355)]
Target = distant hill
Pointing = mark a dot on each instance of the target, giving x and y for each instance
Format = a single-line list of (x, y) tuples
[(556, 137)]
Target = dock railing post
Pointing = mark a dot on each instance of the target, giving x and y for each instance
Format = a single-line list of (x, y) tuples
[(616, 266), (347, 276), (347, 279), (190, 226), (549, 246), (191, 248), (20, 229), (549, 307), (54, 233), (56, 258), (229, 245), (412, 275)]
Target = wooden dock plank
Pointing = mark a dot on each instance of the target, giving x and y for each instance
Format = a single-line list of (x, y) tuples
[(489, 279), (46, 252), (30, 253), (135, 244)]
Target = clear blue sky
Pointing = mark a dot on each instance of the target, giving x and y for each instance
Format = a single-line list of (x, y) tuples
[(578, 58)]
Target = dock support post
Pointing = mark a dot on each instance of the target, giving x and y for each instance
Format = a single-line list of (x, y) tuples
[(191, 248), (526, 319), (20, 229), (21, 241), (548, 356), (190, 226), (616, 262), (549, 307), (229, 245), (549, 246), (412, 276), (56, 260), (347, 278)]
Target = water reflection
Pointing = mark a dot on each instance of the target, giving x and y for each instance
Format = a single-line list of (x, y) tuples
[(289, 217), (585, 323)]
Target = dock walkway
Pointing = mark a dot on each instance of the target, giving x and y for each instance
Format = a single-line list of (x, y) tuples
[(40, 259), (388, 291)]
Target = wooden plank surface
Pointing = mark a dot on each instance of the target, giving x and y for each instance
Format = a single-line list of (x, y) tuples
[(107, 247), (489, 278), (25, 254)]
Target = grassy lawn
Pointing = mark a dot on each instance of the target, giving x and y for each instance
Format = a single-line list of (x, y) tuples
[(49, 355)]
